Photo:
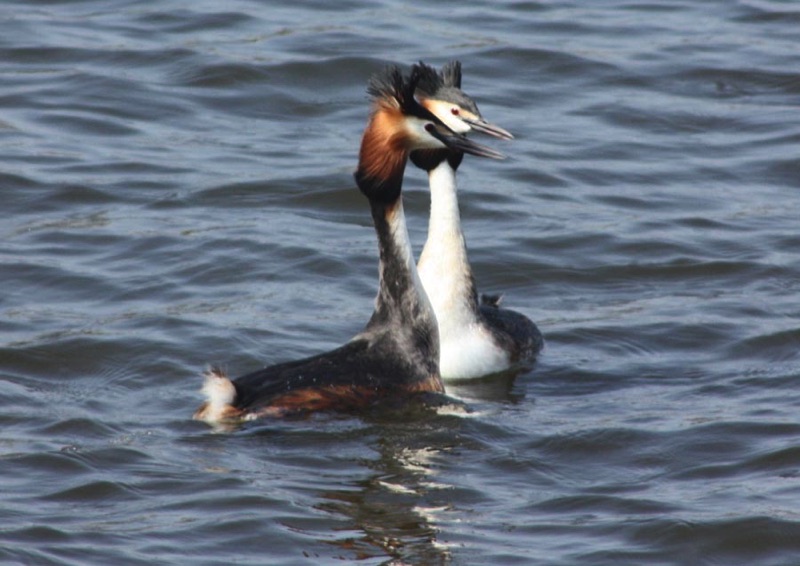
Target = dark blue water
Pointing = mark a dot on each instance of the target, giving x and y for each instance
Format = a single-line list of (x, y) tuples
[(177, 191)]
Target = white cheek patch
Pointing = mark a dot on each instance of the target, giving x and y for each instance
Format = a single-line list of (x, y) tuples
[(420, 137), (444, 111)]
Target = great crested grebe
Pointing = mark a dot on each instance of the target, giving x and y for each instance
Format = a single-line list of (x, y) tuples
[(476, 337), (398, 351)]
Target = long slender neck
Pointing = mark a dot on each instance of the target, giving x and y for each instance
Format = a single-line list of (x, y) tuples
[(401, 302), (445, 217), (401, 297), (443, 265)]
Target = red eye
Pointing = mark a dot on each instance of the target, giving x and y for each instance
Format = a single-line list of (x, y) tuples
[(454, 111)]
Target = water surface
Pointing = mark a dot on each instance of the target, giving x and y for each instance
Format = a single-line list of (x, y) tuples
[(177, 191)]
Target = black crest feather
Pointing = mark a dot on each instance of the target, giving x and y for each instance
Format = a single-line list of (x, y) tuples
[(451, 74), (432, 81), (390, 83), (429, 80), (444, 85), (386, 83)]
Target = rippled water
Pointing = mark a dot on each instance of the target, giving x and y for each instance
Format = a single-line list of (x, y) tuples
[(176, 191)]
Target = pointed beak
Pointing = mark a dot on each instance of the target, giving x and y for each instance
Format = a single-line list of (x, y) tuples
[(481, 125), (459, 142)]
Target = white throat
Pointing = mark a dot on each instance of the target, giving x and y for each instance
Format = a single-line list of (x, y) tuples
[(467, 347), (443, 265)]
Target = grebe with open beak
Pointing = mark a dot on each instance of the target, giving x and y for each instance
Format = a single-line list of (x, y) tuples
[(397, 354), (476, 337)]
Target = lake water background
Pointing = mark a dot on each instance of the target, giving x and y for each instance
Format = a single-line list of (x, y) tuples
[(176, 191)]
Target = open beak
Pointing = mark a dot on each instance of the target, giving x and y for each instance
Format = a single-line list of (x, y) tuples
[(481, 125), (459, 142)]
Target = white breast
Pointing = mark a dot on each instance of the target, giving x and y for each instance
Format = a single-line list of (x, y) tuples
[(467, 348), (470, 352)]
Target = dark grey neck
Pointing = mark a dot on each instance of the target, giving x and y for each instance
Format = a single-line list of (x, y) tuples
[(403, 314), (400, 298)]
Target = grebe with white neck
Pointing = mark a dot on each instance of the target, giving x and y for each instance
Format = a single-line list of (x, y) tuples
[(476, 337), (397, 354)]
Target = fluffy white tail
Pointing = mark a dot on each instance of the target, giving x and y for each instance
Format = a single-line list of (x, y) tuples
[(220, 394)]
